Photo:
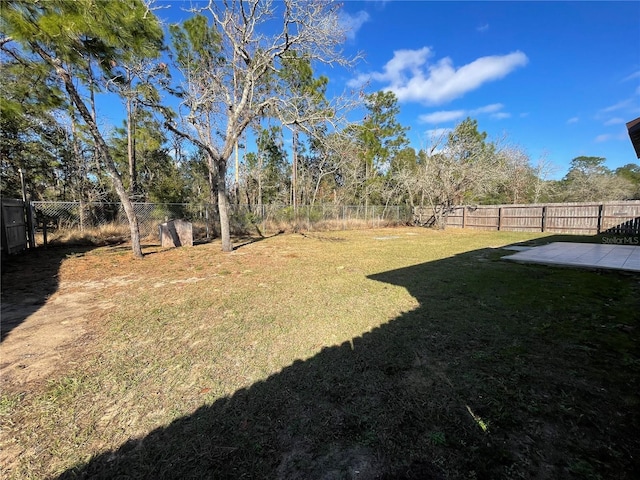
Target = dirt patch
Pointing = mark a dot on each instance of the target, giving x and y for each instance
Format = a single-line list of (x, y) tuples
[(49, 312), (52, 337), (54, 302)]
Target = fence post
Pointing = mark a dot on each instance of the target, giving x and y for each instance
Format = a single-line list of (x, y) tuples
[(499, 218), (206, 220), (600, 210), (344, 221), (544, 218), (464, 216), (28, 211), (32, 226)]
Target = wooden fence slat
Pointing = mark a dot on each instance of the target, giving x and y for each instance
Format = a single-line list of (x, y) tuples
[(589, 218), (14, 226)]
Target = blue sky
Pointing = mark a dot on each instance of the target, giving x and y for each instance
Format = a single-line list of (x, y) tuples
[(559, 79)]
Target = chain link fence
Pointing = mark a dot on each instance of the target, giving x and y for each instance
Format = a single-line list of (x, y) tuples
[(84, 217)]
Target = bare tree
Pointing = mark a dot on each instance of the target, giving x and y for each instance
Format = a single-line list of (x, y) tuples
[(231, 65), (517, 175), (543, 169), (588, 179), (336, 157), (458, 171)]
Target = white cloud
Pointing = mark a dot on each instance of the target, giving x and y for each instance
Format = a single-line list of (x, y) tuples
[(394, 69), (437, 133), (632, 76), (359, 81), (494, 107), (445, 116), (352, 23), (436, 138), (573, 120), (442, 117), (483, 28), (614, 121), (616, 113), (618, 106), (411, 78), (605, 137)]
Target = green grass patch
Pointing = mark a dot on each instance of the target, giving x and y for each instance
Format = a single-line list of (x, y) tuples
[(403, 353)]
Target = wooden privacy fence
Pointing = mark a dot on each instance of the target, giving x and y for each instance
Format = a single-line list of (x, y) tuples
[(14, 226), (621, 217)]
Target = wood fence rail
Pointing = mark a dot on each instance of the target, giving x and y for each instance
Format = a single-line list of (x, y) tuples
[(591, 218)]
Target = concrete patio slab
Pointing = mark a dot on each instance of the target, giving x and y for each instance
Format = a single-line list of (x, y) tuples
[(586, 255), (517, 248)]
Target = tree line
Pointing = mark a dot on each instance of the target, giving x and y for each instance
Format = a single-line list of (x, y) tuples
[(225, 107)]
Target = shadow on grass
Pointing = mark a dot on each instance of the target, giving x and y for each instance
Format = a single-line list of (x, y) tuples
[(503, 371), (249, 240), (28, 280), (608, 237)]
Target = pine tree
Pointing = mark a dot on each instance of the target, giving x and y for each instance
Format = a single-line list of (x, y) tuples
[(82, 43)]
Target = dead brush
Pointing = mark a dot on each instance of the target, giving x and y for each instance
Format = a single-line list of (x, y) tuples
[(108, 234)]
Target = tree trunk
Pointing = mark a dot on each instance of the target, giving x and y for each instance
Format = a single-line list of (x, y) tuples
[(294, 172), (236, 185), (213, 194), (223, 206), (259, 182), (103, 151), (131, 148), (78, 161)]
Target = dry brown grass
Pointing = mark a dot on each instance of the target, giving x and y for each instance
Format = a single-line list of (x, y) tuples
[(108, 234), (117, 233), (397, 353)]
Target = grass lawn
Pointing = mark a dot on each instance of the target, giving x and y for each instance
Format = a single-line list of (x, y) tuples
[(377, 354)]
